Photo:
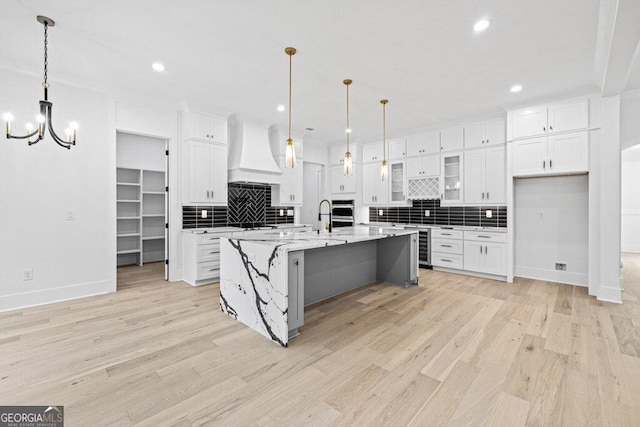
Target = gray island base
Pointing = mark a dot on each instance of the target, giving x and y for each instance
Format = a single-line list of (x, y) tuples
[(266, 280)]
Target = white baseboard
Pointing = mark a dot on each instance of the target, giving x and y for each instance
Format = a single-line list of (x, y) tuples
[(610, 294), (631, 248), (570, 278), (48, 296)]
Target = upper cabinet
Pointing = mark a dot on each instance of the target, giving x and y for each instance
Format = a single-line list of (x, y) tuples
[(452, 139), (204, 127), (485, 176), (289, 191), (341, 183), (397, 148), (451, 181), (372, 152), (206, 173), (552, 118), (337, 152), (492, 132), (553, 155), (375, 191), (426, 143)]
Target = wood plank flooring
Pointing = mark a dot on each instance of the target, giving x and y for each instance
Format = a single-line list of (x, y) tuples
[(455, 350)]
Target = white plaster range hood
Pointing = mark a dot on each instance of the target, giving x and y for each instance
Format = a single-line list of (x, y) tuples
[(250, 157)]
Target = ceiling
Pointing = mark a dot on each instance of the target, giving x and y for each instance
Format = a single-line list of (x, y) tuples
[(228, 56)]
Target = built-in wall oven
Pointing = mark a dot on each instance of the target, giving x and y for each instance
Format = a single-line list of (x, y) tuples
[(424, 246), (342, 213)]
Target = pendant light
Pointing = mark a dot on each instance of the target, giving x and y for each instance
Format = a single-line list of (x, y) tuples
[(290, 152), (348, 160), (384, 171), (44, 118)]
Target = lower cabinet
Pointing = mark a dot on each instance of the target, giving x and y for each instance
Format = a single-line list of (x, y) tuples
[(201, 258), (485, 252), (447, 248)]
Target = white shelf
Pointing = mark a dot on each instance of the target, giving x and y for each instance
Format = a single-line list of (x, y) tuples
[(130, 251), (141, 220)]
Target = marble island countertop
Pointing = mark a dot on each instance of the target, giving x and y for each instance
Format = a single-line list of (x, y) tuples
[(293, 241)]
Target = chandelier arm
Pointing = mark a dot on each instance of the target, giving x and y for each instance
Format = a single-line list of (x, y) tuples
[(55, 137), (9, 136)]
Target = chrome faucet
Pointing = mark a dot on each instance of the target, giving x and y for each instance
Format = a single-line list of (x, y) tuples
[(320, 214)]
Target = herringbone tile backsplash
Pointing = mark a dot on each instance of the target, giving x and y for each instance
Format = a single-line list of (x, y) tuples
[(249, 205)]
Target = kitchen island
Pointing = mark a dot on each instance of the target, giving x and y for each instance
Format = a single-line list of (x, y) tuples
[(267, 279)]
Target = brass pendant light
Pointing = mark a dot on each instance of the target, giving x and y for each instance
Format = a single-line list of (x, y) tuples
[(290, 152), (384, 171), (348, 160)]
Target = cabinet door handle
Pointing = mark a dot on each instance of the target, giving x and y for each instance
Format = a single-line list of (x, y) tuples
[(483, 195), (485, 250), (550, 127), (544, 164), (487, 195), (544, 129), (550, 164), (487, 141), (480, 248)]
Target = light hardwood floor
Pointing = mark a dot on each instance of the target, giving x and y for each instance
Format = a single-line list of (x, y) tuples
[(455, 350)]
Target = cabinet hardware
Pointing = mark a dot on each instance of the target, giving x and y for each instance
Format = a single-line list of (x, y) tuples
[(483, 195), (483, 141), (550, 164), (550, 127), (480, 248), (446, 260), (446, 234), (446, 246), (544, 164), (485, 237), (211, 253), (485, 250), (212, 269), (487, 195), (544, 129)]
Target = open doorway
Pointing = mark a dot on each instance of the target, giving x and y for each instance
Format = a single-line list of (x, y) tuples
[(313, 192), (141, 184)]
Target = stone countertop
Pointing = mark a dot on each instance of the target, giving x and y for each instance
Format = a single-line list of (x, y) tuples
[(450, 227), (211, 230), (293, 241)]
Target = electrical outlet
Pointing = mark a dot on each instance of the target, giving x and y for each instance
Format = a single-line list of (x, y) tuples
[(561, 266), (281, 212), (289, 212), (380, 212), (27, 274), (71, 215), (204, 213), (541, 215), (489, 213), (427, 213)]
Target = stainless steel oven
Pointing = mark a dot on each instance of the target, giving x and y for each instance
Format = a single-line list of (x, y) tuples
[(342, 213)]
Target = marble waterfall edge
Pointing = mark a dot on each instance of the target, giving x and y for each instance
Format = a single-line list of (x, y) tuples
[(253, 288)]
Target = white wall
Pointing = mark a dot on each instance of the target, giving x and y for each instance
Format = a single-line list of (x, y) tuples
[(140, 152), (42, 183), (630, 185), (629, 123), (551, 226)]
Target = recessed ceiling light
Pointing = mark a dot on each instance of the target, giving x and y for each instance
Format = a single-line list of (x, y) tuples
[(158, 67), (280, 108), (481, 25), (516, 88), (348, 130)]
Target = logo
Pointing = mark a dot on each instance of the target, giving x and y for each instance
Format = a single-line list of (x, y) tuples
[(31, 416)]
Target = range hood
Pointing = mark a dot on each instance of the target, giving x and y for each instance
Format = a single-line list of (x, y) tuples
[(250, 157)]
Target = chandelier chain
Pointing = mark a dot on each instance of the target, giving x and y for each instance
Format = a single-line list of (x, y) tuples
[(46, 56)]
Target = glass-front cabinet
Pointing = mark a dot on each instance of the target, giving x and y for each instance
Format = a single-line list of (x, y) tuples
[(451, 191)]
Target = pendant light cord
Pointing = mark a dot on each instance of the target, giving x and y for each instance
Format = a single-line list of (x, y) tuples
[(290, 97), (384, 131), (348, 127), (45, 84)]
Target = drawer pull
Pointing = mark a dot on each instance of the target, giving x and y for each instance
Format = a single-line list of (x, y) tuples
[(446, 246), (212, 269), (446, 260), (485, 237), (446, 234), (212, 253)]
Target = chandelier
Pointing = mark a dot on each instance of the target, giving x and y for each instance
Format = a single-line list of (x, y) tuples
[(44, 118)]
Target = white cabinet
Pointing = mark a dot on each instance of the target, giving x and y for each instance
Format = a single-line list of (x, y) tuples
[(427, 143), (205, 127), (483, 134), (206, 173), (372, 152), (557, 117), (447, 249), (485, 252), (552, 155), (289, 191), (341, 183), (397, 149), (375, 191), (295, 298), (452, 139), (485, 176), (336, 154), (423, 166), (201, 257), (397, 182), (451, 180)]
